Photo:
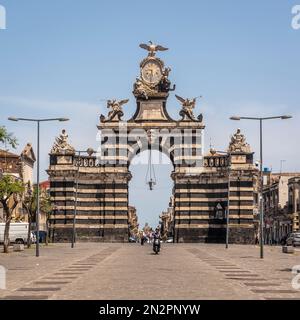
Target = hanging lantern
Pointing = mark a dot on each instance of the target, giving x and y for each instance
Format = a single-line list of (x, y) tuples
[(150, 176)]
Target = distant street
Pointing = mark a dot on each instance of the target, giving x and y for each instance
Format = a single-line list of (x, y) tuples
[(130, 271)]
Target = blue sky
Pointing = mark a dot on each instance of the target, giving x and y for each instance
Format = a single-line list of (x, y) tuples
[(63, 57)]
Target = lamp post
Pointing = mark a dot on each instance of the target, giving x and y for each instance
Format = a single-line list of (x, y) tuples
[(38, 121), (79, 152), (281, 165), (228, 203), (75, 205), (261, 119), (228, 197)]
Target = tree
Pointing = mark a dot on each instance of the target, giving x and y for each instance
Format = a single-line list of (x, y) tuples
[(11, 191), (7, 137), (30, 205)]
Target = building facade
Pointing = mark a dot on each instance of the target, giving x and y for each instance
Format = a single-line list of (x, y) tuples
[(97, 183), (294, 202), (167, 220), (20, 166), (280, 196)]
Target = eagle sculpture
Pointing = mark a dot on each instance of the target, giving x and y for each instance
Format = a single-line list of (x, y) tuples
[(152, 48)]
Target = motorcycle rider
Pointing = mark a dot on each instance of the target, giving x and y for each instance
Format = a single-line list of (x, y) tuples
[(156, 235)]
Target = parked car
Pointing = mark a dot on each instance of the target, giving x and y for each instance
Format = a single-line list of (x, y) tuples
[(169, 240), (18, 232), (293, 239)]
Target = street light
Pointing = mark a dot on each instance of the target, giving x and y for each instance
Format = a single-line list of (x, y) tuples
[(228, 201), (228, 197), (89, 151), (281, 165), (37, 253), (261, 119)]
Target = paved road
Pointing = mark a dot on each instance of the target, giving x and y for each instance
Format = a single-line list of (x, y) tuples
[(130, 271)]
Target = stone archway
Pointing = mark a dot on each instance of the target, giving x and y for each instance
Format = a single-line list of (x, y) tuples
[(200, 182), (151, 127)]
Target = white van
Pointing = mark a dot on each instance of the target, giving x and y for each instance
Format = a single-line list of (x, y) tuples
[(18, 232)]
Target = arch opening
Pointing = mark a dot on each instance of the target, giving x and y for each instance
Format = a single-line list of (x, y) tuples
[(151, 205)]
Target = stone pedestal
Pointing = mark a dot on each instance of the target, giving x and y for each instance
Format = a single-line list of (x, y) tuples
[(18, 247), (288, 249)]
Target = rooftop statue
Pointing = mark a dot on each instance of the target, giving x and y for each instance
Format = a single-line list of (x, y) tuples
[(61, 144), (187, 108), (116, 111), (153, 80), (152, 48), (238, 143)]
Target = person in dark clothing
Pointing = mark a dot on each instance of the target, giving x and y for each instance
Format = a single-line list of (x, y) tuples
[(283, 240)]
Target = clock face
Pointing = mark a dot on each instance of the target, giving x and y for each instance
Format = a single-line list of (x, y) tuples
[(151, 72)]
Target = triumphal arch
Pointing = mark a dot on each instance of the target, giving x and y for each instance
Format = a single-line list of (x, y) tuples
[(95, 183)]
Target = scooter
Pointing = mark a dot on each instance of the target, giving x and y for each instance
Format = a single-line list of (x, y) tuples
[(156, 245)]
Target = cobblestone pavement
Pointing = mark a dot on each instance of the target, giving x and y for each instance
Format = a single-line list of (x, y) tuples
[(131, 271)]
